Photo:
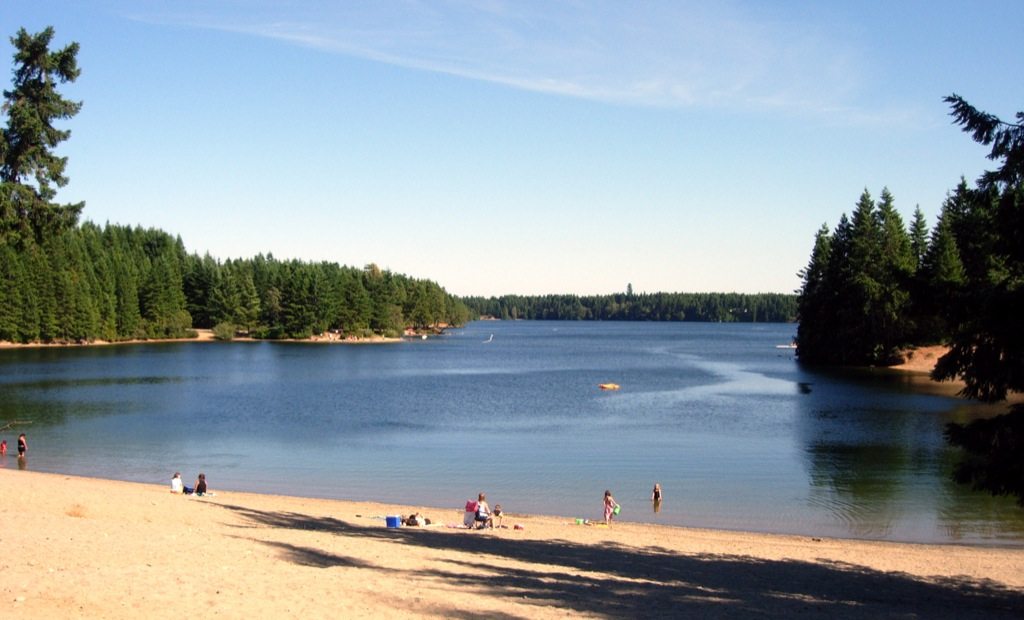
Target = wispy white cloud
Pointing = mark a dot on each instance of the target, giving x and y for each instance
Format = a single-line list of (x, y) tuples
[(675, 53)]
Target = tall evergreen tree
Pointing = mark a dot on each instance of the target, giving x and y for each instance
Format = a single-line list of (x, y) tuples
[(857, 320), (897, 267), (355, 312), (943, 278), (30, 172), (163, 299), (1006, 140), (249, 303), (987, 349), (816, 303), (918, 236), (199, 279), (11, 286), (855, 304)]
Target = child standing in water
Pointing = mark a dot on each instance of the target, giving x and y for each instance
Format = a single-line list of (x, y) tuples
[(609, 507)]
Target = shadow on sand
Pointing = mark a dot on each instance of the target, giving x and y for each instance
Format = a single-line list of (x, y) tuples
[(654, 582)]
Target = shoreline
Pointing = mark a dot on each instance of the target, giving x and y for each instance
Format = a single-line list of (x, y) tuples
[(921, 359), (89, 547), (202, 335)]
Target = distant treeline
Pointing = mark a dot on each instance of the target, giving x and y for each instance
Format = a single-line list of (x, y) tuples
[(707, 307), (118, 283)]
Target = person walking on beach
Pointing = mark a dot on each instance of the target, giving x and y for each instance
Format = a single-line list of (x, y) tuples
[(610, 507)]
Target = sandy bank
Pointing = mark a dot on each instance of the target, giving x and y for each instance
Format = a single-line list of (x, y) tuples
[(922, 359), (79, 547)]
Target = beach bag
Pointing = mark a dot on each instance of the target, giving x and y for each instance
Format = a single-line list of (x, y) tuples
[(616, 509)]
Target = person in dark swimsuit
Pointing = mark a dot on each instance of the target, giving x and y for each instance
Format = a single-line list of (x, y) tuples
[(201, 485), (656, 497), (22, 445)]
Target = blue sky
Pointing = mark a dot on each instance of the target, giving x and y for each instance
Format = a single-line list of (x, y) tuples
[(524, 147)]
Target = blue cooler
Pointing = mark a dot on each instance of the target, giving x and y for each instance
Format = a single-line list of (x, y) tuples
[(393, 521)]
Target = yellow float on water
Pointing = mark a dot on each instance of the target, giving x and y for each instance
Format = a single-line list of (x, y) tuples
[(608, 386)]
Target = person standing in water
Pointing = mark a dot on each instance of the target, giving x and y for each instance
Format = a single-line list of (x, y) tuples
[(656, 497), (22, 451)]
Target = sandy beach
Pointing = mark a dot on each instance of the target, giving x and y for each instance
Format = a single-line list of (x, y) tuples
[(87, 548), (922, 359)]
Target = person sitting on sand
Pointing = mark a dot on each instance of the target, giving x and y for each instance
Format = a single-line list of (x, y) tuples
[(177, 486), (497, 516), (201, 485), (483, 512)]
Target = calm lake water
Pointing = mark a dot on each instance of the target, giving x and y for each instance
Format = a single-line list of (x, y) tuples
[(737, 433)]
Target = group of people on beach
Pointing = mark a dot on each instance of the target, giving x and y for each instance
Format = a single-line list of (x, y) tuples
[(177, 486), (479, 514), (22, 450), (22, 446), (612, 507)]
